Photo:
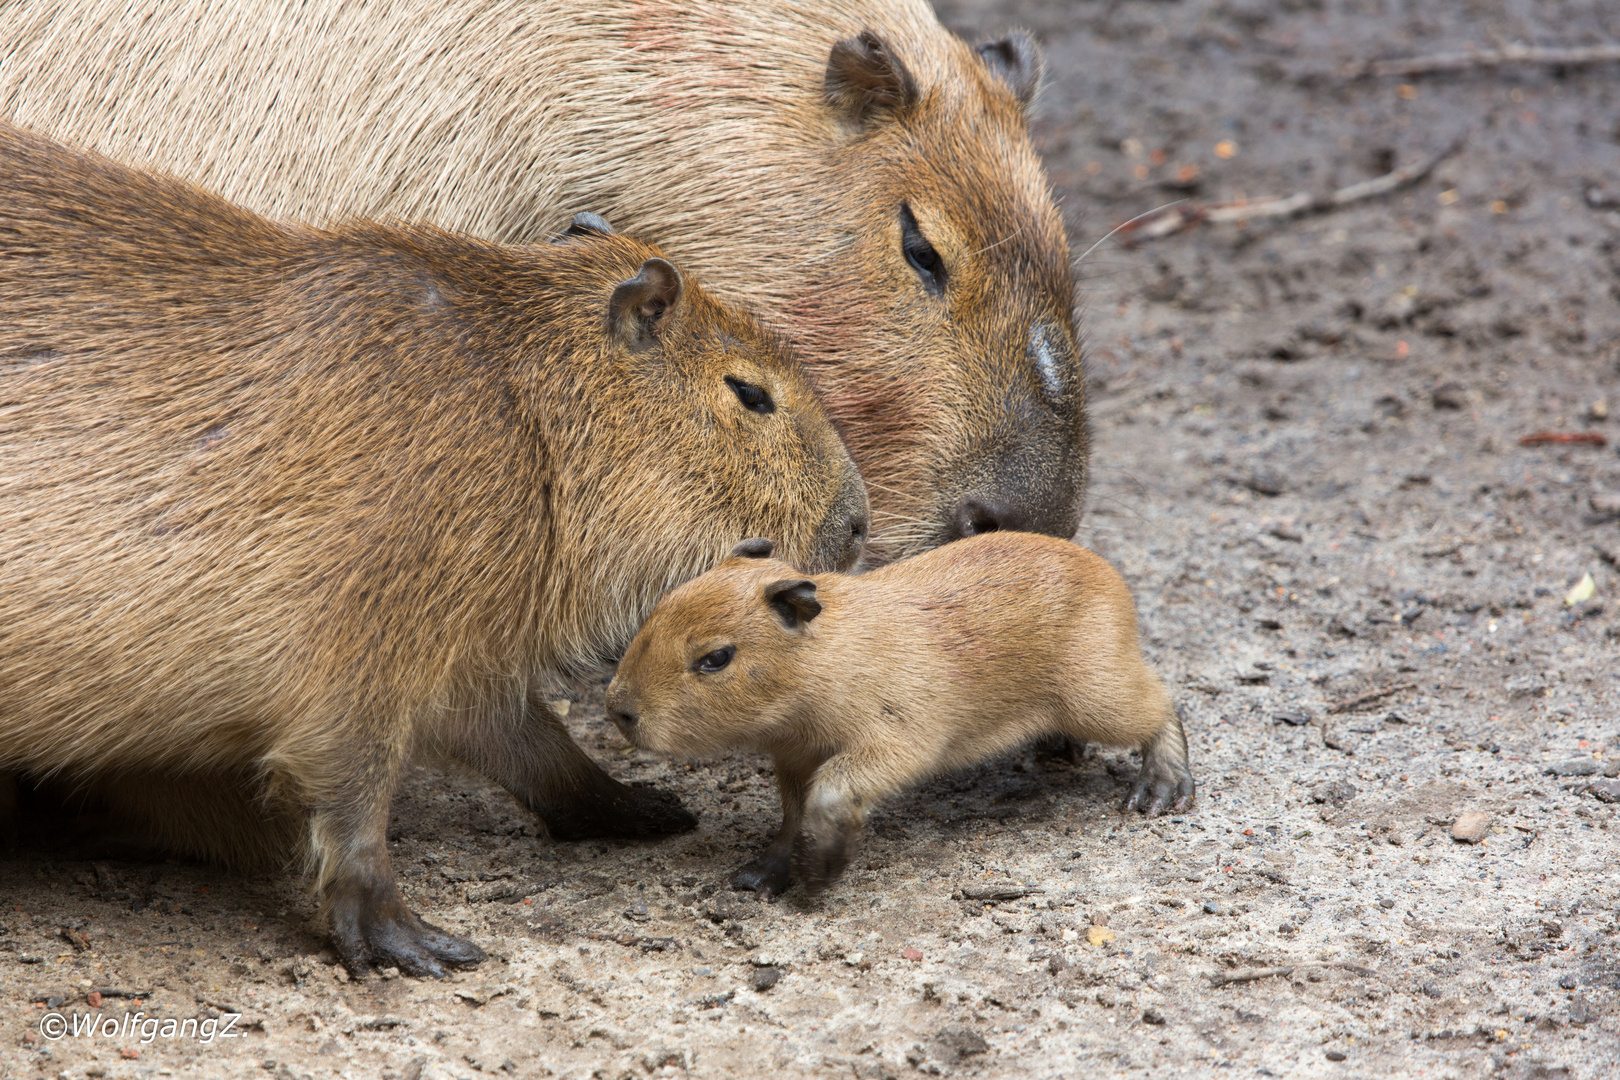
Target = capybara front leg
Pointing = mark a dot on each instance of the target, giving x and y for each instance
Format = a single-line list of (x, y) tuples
[(1166, 780), (370, 924), (772, 873), (542, 765), (840, 793)]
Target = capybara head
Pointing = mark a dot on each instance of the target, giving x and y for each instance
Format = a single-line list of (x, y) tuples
[(959, 383), (712, 664), (710, 425)]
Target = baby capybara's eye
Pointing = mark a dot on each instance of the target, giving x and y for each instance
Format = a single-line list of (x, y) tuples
[(710, 663), (754, 398)]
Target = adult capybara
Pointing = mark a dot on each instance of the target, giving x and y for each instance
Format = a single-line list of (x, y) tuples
[(282, 505), (859, 686), (848, 167)]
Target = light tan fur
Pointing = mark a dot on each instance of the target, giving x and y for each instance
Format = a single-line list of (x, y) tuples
[(706, 126), (859, 686), (283, 505)]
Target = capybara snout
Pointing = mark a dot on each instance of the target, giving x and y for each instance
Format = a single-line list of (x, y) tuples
[(284, 506)]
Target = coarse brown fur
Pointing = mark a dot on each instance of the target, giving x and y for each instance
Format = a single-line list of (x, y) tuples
[(858, 686), (284, 505), (774, 148)]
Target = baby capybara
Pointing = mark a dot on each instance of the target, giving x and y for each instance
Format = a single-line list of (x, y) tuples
[(858, 686), (283, 505)]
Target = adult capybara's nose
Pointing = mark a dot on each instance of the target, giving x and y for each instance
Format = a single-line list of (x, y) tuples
[(975, 515)]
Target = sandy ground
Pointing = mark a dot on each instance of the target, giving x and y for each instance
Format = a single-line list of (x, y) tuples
[(1307, 465)]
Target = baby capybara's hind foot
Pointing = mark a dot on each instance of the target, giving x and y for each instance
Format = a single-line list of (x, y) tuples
[(1166, 781)]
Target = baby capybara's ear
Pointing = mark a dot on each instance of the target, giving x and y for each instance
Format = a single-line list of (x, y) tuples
[(642, 307), (865, 77), (757, 547), (1016, 61), (794, 599)]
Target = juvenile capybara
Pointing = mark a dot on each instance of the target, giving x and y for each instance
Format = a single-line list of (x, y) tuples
[(849, 168), (283, 505), (858, 686)]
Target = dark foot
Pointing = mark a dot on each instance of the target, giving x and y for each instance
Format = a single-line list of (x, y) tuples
[(617, 812), (1165, 782), (1154, 795), (380, 931), (769, 875), (818, 863), (1060, 747)]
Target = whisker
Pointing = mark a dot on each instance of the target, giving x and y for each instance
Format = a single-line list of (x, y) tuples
[(1125, 224)]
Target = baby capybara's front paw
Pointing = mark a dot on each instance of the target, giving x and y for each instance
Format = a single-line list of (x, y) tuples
[(768, 876), (821, 856)]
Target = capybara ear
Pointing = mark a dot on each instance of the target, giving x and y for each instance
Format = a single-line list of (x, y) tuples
[(641, 307), (588, 224), (865, 77), (754, 548), (1016, 61), (794, 600)]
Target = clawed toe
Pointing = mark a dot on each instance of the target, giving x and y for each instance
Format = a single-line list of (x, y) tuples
[(768, 876)]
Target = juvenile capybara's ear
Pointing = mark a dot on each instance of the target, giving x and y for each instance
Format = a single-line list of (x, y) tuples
[(641, 307), (865, 77), (754, 548), (794, 599), (588, 224), (1016, 61)]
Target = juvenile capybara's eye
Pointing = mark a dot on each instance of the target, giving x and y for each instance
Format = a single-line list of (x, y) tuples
[(920, 253), (709, 663), (754, 398)]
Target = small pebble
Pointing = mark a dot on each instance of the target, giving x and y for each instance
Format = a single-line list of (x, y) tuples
[(1152, 1016), (1470, 826), (913, 955), (1335, 1055), (1568, 982), (1334, 792), (1212, 907), (1386, 903), (766, 977)]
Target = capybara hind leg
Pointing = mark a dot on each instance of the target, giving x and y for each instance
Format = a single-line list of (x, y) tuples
[(227, 817), (1166, 780), (772, 873), (370, 924), (542, 765)]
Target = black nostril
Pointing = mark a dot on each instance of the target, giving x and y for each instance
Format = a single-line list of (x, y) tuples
[(623, 719), (974, 516)]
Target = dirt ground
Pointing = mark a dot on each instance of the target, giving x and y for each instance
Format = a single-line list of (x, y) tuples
[(1308, 466)]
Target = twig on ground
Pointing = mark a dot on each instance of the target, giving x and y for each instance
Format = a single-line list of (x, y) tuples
[(1227, 978), (1369, 697), (1482, 59), (1179, 216), (1540, 438)]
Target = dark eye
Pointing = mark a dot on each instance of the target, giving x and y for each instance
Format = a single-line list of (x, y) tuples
[(921, 254), (754, 398), (715, 661)]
